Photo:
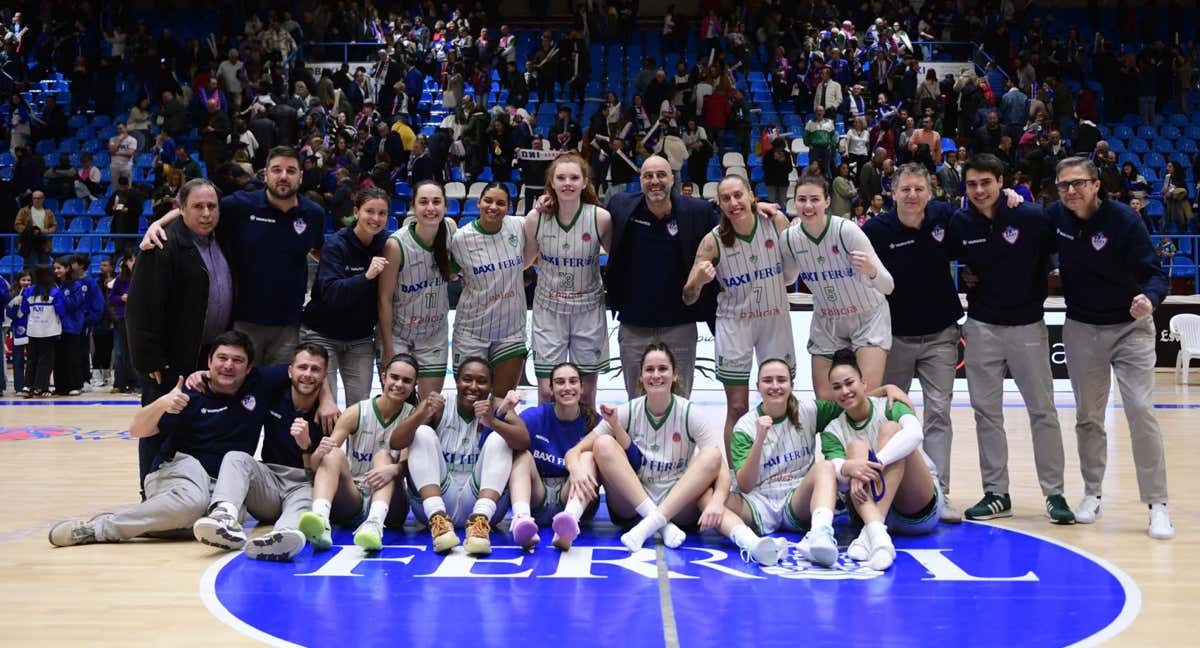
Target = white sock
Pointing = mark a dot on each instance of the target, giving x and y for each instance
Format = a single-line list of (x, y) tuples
[(321, 507), (521, 509), (636, 537), (495, 464), (433, 505), (226, 507), (877, 533), (743, 537), (646, 507), (574, 508), (378, 512), (822, 517), (672, 535), (484, 507)]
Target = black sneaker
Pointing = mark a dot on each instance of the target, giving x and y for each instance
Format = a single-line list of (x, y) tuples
[(992, 506)]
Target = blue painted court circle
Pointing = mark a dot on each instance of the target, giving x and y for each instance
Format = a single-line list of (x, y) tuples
[(969, 584)]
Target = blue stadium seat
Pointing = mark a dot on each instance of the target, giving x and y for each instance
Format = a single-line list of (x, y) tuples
[(392, 224), (398, 205), (1155, 160), (1188, 147), (6, 159), (948, 145), (1138, 146), (80, 225), (1123, 131), (1178, 120), (96, 209), (51, 204), (470, 207), (1146, 132), (43, 147), (1116, 145), (74, 207), (1170, 132), (11, 264), (466, 220), (100, 121), (453, 208), (62, 244), (103, 225)]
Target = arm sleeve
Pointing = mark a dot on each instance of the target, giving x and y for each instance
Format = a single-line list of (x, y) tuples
[(1147, 271), (739, 447), (904, 442), (854, 239), (827, 412), (703, 431), (834, 452)]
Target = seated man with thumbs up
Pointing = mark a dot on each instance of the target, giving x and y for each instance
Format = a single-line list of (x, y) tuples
[(197, 428), (279, 488)]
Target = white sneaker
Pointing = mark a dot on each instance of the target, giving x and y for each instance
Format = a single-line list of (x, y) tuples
[(221, 530), (278, 546), (764, 552), (883, 554), (822, 547), (1088, 510), (1160, 523), (860, 548), (950, 513)]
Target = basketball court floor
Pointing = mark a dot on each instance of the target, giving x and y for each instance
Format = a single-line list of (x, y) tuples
[(1021, 581)]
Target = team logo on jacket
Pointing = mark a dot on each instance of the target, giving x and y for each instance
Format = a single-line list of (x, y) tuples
[(248, 402), (672, 228), (299, 225), (1099, 241), (938, 233), (1011, 234)]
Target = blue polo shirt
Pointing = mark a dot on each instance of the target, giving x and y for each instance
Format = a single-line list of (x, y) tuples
[(924, 300), (551, 438), (212, 425), (1011, 257), (279, 447), (269, 255), (344, 303), (1105, 262), (655, 278)]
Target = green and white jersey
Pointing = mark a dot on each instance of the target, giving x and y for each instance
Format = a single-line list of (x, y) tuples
[(788, 451), (569, 263), (750, 274), (373, 435), (824, 266), (838, 434), (492, 306), (421, 302), (667, 443), (458, 436)]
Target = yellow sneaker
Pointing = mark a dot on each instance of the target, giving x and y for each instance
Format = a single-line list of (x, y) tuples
[(479, 542), (442, 530)]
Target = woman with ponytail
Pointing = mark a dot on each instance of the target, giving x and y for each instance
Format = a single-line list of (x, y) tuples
[(565, 233), (413, 301), (744, 253), (341, 312)]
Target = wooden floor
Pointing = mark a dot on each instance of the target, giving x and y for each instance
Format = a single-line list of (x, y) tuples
[(146, 592)]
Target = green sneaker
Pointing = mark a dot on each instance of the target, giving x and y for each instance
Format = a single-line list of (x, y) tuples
[(369, 536), (992, 506), (1058, 511), (316, 529)]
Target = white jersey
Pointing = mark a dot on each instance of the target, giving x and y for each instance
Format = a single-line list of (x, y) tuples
[(824, 266), (459, 438), (838, 434), (373, 435), (492, 306), (420, 304), (569, 263), (43, 320), (788, 451), (750, 273), (667, 443)]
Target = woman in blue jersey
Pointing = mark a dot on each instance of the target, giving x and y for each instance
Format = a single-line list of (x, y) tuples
[(490, 319), (875, 448), (745, 256), (565, 233), (539, 488), (363, 485), (413, 302), (342, 311)]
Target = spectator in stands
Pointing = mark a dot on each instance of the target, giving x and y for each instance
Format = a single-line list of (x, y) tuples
[(172, 115), (165, 194), (925, 145), (29, 172), (125, 206), (185, 164), (1014, 106), (231, 74), (717, 108), (121, 149), (34, 225), (1175, 197), (949, 176), (876, 207), (987, 137), (821, 139), (1110, 175), (1138, 205), (857, 149), (60, 179), (20, 120), (842, 193), (870, 177), (214, 147), (929, 93), (970, 98), (1136, 186), (828, 93), (139, 122)]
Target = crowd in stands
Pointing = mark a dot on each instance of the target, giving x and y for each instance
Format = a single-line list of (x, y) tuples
[(770, 90)]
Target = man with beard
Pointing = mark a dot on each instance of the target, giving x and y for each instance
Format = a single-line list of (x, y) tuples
[(271, 234)]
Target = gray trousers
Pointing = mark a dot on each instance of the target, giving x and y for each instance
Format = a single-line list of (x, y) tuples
[(353, 361), (269, 492), (680, 339), (931, 358), (176, 496), (1128, 351), (273, 345), (1025, 352)]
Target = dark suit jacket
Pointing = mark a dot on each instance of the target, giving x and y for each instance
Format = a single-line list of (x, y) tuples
[(695, 217)]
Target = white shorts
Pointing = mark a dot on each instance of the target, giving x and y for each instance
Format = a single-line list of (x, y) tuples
[(460, 491), (738, 341), (430, 351), (494, 351), (772, 510), (552, 505), (581, 338), (829, 334)]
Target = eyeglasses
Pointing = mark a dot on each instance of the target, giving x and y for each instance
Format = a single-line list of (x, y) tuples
[(1077, 185)]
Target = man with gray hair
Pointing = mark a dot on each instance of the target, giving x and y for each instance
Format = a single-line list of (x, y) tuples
[(1112, 282)]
